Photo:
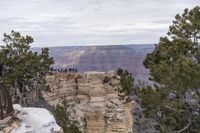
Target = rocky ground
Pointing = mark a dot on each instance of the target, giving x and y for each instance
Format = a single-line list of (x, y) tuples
[(93, 102)]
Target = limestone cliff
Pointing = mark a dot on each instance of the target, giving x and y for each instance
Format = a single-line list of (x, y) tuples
[(93, 101)]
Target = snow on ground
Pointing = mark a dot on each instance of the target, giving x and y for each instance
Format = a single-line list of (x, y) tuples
[(36, 120)]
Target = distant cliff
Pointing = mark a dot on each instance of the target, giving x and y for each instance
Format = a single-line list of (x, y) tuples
[(103, 58), (92, 100)]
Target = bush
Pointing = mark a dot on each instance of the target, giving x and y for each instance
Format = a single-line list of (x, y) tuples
[(62, 117)]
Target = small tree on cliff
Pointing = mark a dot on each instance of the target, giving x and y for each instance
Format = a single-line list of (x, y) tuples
[(23, 70), (174, 105), (62, 116), (126, 84)]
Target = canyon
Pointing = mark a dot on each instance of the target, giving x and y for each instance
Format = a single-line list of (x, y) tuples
[(103, 58)]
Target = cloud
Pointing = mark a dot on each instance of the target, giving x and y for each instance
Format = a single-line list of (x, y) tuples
[(96, 22)]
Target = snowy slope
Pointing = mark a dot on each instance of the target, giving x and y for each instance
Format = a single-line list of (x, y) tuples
[(35, 120)]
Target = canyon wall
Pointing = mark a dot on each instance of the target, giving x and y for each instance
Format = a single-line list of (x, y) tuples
[(93, 101), (103, 58)]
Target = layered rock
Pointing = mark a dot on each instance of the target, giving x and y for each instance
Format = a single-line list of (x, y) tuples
[(93, 101), (103, 58)]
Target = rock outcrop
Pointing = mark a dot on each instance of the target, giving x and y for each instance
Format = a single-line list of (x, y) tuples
[(93, 101)]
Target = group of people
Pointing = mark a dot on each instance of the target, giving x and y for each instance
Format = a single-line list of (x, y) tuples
[(64, 70)]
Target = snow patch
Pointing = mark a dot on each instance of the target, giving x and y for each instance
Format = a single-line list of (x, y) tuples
[(37, 120)]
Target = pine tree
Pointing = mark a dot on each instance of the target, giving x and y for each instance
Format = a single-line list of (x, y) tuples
[(126, 84), (174, 104), (23, 70), (62, 117)]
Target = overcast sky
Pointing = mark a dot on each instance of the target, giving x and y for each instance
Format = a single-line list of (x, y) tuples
[(90, 22)]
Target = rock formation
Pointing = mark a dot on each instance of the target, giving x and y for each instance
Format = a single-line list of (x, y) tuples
[(93, 101)]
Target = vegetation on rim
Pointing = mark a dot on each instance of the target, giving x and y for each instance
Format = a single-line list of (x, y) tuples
[(174, 105)]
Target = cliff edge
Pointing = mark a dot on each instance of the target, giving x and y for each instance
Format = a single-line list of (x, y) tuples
[(93, 101)]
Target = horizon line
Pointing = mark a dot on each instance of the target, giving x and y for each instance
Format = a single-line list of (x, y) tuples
[(87, 45)]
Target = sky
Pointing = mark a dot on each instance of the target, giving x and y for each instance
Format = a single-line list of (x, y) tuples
[(90, 22)]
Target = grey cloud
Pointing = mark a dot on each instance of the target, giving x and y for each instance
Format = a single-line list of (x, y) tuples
[(68, 22)]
